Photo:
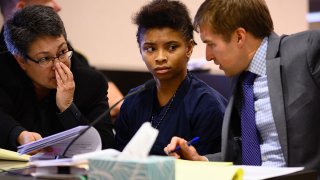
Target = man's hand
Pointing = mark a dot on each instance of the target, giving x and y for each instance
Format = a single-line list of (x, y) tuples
[(185, 152), (27, 137), (65, 86)]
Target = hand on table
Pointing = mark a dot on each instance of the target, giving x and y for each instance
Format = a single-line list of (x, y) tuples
[(185, 152)]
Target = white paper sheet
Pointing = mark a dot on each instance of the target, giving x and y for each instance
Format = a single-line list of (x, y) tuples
[(88, 142), (260, 172)]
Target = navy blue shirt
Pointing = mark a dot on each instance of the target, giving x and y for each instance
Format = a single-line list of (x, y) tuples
[(196, 110)]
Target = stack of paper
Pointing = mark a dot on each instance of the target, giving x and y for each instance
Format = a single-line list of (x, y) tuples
[(68, 167), (261, 172), (12, 156), (207, 170), (138, 148), (12, 160), (59, 168), (88, 142), (50, 140)]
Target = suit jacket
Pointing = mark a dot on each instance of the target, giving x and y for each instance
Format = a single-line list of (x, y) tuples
[(20, 110), (293, 74)]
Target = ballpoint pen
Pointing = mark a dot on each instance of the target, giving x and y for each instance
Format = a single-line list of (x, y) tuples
[(191, 142)]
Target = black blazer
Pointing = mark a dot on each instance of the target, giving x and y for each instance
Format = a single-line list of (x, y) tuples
[(19, 109)]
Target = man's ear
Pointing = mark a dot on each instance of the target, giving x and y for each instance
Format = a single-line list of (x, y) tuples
[(241, 36), (21, 61), (20, 4)]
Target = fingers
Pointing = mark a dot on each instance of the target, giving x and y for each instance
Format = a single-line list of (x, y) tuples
[(33, 136), (185, 152), (44, 150), (58, 78), (65, 86), (64, 77), (36, 136), (63, 73), (175, 155), (175, 141), (48, 149), (190, 153), (27, 137), (34, 152)]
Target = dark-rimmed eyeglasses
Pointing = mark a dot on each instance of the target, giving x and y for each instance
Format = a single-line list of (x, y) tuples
[(47, 61)]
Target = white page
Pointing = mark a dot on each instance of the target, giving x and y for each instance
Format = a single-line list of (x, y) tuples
[(49, 140), (76, 159), (261, 172), (103, 153), (88, 142)]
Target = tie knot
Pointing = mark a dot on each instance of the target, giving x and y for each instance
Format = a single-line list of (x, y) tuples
[(248, 77)]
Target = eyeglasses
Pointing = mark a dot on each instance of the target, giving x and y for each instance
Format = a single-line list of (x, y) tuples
[(47, 61)]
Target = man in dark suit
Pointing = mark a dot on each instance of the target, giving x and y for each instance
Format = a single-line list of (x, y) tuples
[(40, 93), (239, 38)]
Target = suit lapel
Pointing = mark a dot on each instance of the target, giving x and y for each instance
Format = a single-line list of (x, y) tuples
[(276, 92), (225, 130), (225, 149)]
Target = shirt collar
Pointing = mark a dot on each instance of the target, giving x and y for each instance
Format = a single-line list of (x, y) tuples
[(258, 63)]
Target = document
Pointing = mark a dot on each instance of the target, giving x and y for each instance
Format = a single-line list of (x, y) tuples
[(261, 172), (10, 165), (12, 160), (12, 156), (76, 159), (138, 148), (186, 170), (68, 167), (88, 142)]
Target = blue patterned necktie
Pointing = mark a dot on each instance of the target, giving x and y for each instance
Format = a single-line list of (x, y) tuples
[(251, 154)]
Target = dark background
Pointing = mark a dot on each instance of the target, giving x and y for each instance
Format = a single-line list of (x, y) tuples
[(314, 5), (126, 80)]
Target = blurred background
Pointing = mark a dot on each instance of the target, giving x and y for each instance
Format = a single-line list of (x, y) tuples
[(102, 30)]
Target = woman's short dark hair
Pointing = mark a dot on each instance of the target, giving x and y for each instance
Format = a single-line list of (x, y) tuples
[(161, 14), (30, 23)]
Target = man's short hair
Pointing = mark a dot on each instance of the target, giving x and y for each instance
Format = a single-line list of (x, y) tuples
[(225, 16)]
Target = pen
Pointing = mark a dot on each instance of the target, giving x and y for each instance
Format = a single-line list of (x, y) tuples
[(191, 142)]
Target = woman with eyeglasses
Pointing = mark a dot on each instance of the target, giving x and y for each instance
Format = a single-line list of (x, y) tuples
[(40, 93)]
